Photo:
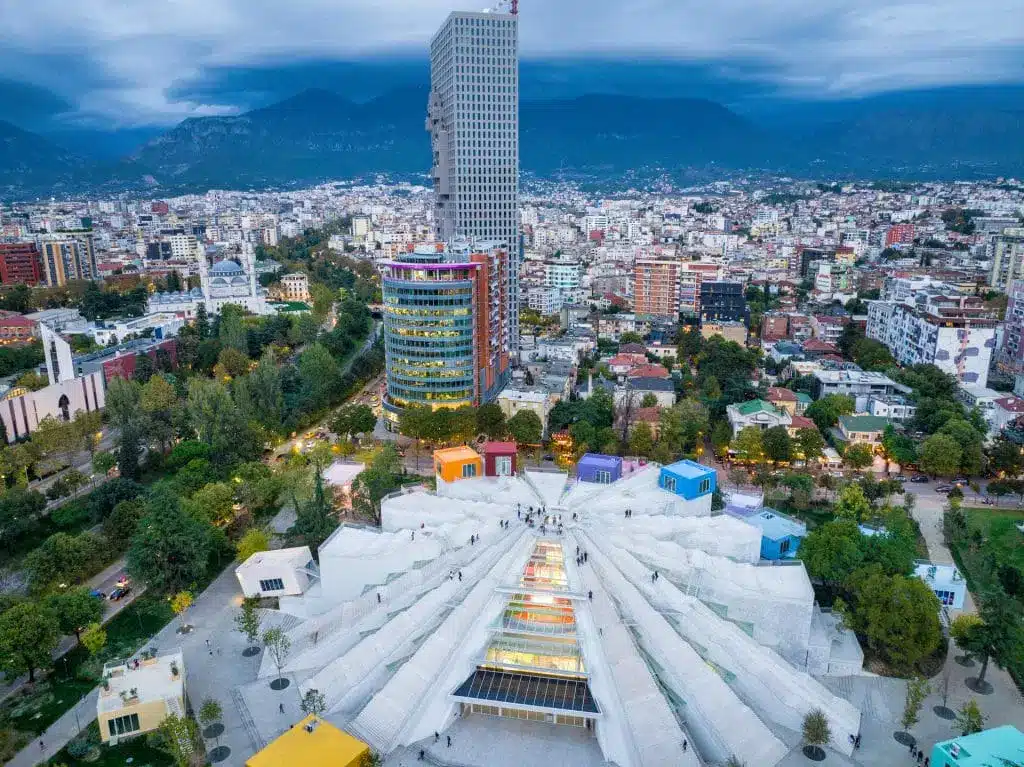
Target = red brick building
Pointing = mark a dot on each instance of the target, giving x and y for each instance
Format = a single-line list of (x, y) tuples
[(16, 330), (20, 264), (123, 365), (899, 234)]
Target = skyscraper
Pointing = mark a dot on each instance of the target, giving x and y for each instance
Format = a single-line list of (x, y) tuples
[(473, 120)]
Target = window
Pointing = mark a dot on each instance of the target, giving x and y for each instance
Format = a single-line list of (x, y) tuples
[(705, 485), (468, 470), (272, 584), (123, 725), (503, 466), (603, 477), (784, 546), (669, 483)]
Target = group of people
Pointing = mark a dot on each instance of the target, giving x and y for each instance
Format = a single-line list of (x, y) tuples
[(917, 753), (581, 556)]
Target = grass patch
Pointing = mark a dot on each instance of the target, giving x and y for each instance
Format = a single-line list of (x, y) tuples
[(992, 537), (135, 751)]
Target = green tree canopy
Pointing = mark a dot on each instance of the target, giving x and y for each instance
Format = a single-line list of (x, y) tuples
[(170, 549), (832, 551), (940, 456)]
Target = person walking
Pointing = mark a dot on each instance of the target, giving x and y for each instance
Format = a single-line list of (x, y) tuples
[(685, 745), (590, 595), (449, 741), (280, 707), (437, 736)]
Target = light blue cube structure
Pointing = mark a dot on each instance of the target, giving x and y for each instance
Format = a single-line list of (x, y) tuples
[(687, 479)]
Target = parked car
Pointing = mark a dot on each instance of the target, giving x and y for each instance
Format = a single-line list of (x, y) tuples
[(98, 594), (919, 478), (944, 488), (900, 478), (120, 593)]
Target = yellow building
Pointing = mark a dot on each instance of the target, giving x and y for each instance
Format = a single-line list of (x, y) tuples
[(312, 743), (455, 463), (138, 694)]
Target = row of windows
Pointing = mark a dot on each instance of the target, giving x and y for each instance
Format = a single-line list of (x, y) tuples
[(272, 584), (123, 725)]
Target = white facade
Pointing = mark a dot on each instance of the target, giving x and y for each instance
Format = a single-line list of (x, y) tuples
[(277, 573), (963, 350), (295, 287), (473, 119), (21, 411), (228, 281)]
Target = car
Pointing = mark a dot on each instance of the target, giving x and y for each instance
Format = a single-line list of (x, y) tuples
[(919, 478), (98, 594), (549, 457), (120, 593), (944, 488), (900, 478), (961, 481)]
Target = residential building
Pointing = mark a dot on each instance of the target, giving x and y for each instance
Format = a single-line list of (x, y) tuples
[(953, 332), (730, 331), (757, 413), (632, 393), (20, 264), (1005, 411), (313, 742), (136, 695), (827, 328), (782, 399), (689, 293), (999, 745), (446, 328), (1010, 356), (894, 407), (1006, 254), (858, 384), (278, 572), (473, 120), (862, 429), (899, 234), (294, 287), (656, 287), (774, 327), (513, 399), (723, 301), (16, 330), (69, 257)]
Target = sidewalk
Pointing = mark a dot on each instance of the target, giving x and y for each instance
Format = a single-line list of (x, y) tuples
[(59, 733)]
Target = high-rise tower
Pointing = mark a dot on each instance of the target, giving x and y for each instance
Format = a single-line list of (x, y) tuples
[(473, 119)]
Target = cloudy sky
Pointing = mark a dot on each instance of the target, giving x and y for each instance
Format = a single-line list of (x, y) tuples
[(131, 62)]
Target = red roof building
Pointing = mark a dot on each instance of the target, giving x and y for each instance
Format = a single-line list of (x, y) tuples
[(16, 330), (499, 459), (20, 264), (648, 371)]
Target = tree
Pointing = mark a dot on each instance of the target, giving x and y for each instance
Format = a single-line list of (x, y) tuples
[(248, 620), (721, 436), (641, 440), (121, 524), (649, 400), (180, 603), (940, 456), (252, 542), (898, 447), (832, 551), (816, 732), (899, 616), (778, 447), (213, 416), (159, 401), (63, 558), (525, 427), (213, 503), (313, 702), (179, 734), (969, 718), (996, 637), (210, 711), (321, 377), (748, 445), (29, 633), (858, 456), (278, 645), (809, 444), (826, 411), (852, 504), (76, 609), (490, 421), (94, 638), (315, 520), (169, 550), (917, 690), (103, 462), (961, 628), (354, 419)]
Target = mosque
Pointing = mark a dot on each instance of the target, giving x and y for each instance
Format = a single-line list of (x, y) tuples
[(230, 280)]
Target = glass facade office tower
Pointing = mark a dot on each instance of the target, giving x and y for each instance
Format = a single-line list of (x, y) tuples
[(445, 326), (473, 119)]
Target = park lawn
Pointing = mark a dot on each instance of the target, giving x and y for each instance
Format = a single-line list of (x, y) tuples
[(134, 751), (1005, 542)]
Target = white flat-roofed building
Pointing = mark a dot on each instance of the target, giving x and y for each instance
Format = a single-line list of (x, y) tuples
[(137, 694), (278, 572)]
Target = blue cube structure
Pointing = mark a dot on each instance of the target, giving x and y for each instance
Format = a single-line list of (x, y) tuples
[(687, 479)]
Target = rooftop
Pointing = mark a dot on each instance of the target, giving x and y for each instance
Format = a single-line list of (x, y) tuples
[(861, 423), (138, 680), (298, 556), (460, 453), (498, 448), (775, 526), (689, 469), (324, 745), (984, 748), (754, 406)]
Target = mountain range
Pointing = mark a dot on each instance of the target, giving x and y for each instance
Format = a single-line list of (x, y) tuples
[(318, 135)]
